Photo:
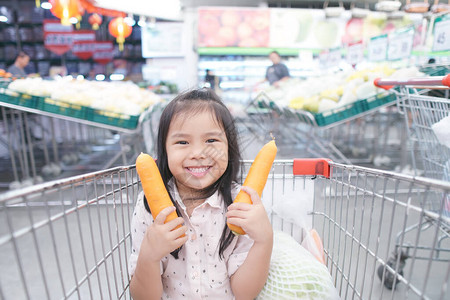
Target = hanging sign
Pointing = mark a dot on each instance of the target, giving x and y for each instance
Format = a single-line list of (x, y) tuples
[(400, 44), (83, 49), (355, 53), (103, 53), (83, 43), (441, 40), (377, 48), (57, 37)]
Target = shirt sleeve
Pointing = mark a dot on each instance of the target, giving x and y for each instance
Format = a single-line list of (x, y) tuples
[(239, 254), (140, 221)]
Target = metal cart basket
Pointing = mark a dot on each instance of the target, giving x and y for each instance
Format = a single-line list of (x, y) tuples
[(422, 112), (70, 239)]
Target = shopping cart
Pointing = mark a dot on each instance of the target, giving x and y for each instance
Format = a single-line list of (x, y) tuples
[(70, 238), (422, 111)]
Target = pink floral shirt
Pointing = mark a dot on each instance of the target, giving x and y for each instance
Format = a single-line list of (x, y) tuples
[(198, 273)]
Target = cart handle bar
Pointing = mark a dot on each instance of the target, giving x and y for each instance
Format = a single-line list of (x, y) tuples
[(425, 81), (312, 166)]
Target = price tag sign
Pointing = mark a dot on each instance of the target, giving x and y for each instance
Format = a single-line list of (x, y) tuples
[(103, 52), (441, 40), (355, 53), (58, 42), (57, 38), (377, 48), (334, 57), (83, 49), (323, 58), (400, 44)]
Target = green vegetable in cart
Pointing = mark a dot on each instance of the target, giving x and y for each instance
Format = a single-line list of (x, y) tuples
[(296, 274)]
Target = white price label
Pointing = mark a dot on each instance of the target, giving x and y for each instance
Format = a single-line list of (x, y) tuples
[(83, 47), (58, 39), (355, 53), (400, 45), (441, 41), (323, 58), (377, 48), (334, 57)]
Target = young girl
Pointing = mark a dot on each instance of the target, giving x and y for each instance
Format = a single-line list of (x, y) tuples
[(198, 157)]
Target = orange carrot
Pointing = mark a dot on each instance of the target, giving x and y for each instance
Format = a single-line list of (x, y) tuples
[(154, 190), (256, 177)]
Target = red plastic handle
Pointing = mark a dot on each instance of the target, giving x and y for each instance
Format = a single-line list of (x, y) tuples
[(376, 82), (312, 166), (446, 80), (422, 81)]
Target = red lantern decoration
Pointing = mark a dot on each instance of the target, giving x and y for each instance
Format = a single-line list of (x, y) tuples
[(95, 20), (120, 30), (66, 9)]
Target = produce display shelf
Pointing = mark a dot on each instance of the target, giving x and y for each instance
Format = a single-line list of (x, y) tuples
[(339, 114), (63, 108), (112, 118), (436, 70), (71, 110), (331, 116), (21, 99)]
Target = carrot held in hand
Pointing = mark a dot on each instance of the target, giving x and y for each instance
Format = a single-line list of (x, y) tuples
[(154, 189), (256, 177)]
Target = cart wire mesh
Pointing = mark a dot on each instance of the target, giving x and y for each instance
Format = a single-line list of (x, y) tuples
[(422, 114), (70, 239)]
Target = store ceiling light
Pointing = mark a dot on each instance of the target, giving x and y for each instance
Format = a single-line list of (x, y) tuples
[(388, 5), (130, 21), (141, 21), (116, 77), (332, 12), (359, 12), (3, 19), (46, 5)]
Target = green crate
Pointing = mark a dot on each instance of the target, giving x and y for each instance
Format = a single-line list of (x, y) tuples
[(63, 108), (338, 114), (378, 100), (4, 83), (19, 99), (436, 70), (112, 118)]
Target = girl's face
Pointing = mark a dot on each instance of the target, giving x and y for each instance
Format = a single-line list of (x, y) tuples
[(197, 151)]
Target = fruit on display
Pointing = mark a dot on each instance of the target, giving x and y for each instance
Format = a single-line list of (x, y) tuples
[(323, 93), (5, 74), (119, 97)]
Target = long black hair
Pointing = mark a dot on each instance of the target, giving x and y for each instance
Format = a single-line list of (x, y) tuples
[(190, 103)]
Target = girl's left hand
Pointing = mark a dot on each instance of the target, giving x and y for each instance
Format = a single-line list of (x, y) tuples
[(251, 217)]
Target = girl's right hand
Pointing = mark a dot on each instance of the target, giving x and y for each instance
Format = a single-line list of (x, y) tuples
[(161, 239)]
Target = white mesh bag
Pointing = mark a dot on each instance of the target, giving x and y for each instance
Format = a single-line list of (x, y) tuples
[(295, 274)]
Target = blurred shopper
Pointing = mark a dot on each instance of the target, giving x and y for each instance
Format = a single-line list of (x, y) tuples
[(18, 68), (277, 72), (211, 80)]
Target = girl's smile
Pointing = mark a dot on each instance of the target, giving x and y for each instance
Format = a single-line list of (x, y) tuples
[(198, 171)]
